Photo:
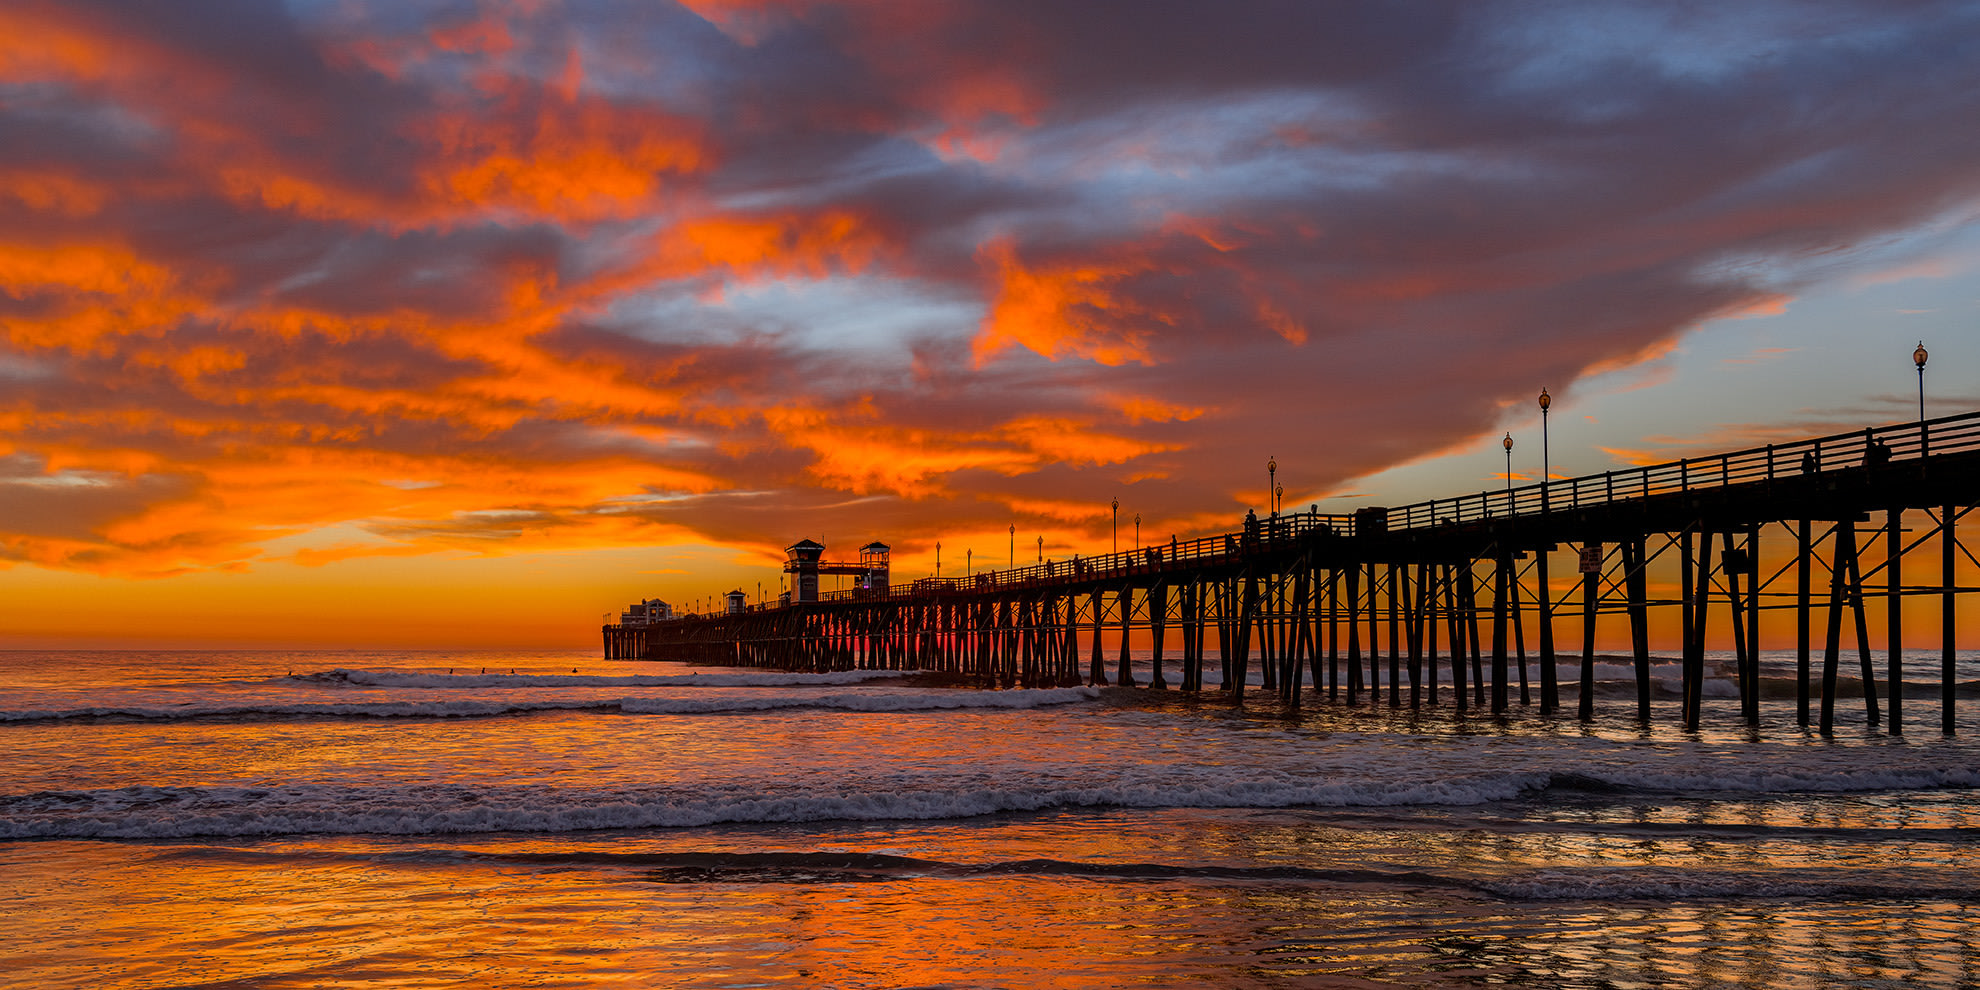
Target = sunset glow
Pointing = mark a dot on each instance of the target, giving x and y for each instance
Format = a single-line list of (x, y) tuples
[(352, 324)]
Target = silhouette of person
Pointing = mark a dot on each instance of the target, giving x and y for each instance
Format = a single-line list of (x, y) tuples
[(1876, 455)]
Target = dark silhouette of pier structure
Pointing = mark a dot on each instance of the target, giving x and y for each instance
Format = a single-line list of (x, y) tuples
[(1376, 605)]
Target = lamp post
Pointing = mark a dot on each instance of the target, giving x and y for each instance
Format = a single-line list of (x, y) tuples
[(1041, 550), (1137, 531), (1271, 482), (1278, 498), (1117, 526), (1918, 357), (1014, 546), (938, 558), (969, 562), (1546, 470), (1507, 443)]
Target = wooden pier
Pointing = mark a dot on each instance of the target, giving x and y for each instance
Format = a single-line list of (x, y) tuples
[(1376, 604)]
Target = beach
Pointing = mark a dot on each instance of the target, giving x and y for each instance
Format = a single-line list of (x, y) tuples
[(299, 819)]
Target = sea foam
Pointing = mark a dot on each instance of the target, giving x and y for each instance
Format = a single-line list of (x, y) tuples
[(932, 699), (152, 812)]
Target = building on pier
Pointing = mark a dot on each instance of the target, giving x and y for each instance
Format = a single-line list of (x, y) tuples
[(804, 561), (646, 612)]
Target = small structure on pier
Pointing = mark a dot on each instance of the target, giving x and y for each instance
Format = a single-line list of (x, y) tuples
[(804, 561), (737, 602), (646, 612), (874, 567), (801, 562)]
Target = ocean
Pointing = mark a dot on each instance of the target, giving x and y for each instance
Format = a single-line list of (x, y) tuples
[(532, 819)]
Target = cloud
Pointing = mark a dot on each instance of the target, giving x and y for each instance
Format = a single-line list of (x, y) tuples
[(501, 279)]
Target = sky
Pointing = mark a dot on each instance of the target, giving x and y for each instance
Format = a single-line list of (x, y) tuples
[(446, 324)]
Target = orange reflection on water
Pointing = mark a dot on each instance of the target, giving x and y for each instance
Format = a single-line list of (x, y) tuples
[(320, 914)]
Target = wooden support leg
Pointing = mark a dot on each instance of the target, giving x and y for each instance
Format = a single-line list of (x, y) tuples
[(1458, 652), (1374, 635), (1519, 638), (1097, 667), (1396, 598), (1868, 669), (1687, 591), (1418, 612), (1333, 637), (1192, 641), (1550, 691), (1248, 609), (1290, 656), (1734, 570), (1070, 666), (1947, 676), (1500, 583), (1894, 611), (1432, 577), (1636, 583), (1124, 669), (1354, 633), (1753, 620), (1591, 588), (1844, 547), (1470, 579), (1803, 586), (1269, 644)]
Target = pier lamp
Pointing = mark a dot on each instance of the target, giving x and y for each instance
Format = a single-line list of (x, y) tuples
[(1271, 481), (938, 558), (1117, 525), (1918, 358), (1014, 546), (1546, 469), (1137, 531), (969, 561), (1278, 498), (1507, 443), (1041, 550)]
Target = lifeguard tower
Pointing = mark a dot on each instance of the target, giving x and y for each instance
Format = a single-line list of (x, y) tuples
[(804, 561), (874, 566), (801, 562)]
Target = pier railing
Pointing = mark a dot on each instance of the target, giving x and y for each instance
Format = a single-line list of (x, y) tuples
[(1859, 449)]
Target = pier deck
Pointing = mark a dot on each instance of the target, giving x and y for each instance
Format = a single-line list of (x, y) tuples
[(1839, 516)]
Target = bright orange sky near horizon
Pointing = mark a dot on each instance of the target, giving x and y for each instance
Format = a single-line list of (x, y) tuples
[(374, 325)]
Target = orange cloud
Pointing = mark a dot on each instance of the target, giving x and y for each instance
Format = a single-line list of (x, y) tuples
[(1143, 409), (93, 291), (1068, 441), (580, 160), (756, 246), (1062, 311)]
